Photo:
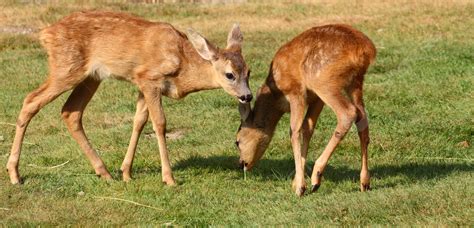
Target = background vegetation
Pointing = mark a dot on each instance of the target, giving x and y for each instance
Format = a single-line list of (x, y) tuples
[(419, 96)]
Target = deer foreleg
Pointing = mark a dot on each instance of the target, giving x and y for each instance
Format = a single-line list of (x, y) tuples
[(139, 121), (297, 107), (152, 97)]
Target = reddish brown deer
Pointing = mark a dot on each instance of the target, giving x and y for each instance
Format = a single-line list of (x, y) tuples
[(323, 65), (87, 47)]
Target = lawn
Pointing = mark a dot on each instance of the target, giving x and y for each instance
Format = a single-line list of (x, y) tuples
[(419, 96)]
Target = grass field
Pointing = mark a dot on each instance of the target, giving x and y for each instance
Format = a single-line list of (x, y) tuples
[(419, 96)]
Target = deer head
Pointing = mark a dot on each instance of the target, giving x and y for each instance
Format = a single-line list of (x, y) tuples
[(256, 128), (229, 69)]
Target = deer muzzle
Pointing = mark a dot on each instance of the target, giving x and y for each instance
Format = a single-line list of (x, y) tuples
[(245, 98)]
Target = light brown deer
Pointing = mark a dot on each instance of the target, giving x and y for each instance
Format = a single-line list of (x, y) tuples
[(87, 47), (323, 65)]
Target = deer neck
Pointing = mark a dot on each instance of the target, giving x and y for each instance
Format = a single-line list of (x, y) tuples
[(266, 111), (196, 73)]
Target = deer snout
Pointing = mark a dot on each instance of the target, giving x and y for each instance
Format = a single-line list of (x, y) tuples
[(243, 165), (245, 98)]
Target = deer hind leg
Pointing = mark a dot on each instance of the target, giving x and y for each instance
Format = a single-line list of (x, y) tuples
[(297, 107), (362, 124), (32, 104), (346, 115), (72, 113), (139, 121)]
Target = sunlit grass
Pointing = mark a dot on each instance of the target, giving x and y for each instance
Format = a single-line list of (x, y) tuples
[(419, 96)]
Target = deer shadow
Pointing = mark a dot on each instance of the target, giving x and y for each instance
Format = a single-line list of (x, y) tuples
[(283, 169), (278, 169)]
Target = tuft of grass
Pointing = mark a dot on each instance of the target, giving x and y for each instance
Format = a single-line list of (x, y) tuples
[(418, 94)]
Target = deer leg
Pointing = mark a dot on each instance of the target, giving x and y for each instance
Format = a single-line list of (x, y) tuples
[(72, 113), (297, 107), (152, 97), (346, 115), (139, 121), (312, 115), (362, 124), (32, 104)]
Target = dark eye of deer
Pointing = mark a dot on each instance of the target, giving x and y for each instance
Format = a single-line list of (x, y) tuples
[(237, 143), (230, 76)]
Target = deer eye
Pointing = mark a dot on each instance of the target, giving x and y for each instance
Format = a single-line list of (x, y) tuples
[(230, 76), (237, 143)]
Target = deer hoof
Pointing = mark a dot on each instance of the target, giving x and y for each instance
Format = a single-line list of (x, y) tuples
[(126, 177), (105, 176), (169, 182), (17, 181), (300, 191), (315, 188), (14, 177), (365, 187), (299, 187)]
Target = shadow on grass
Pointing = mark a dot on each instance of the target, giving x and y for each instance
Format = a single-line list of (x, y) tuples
[(283, 169), (214, 162), (270, 169)]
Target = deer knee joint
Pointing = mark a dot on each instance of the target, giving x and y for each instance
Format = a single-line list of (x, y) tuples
[(342, 130), (67, 116), (347, 119), (295, 134), (362, 124), (139, 121), (160, 128), (20, 123), (351, 115), (24, 117), (72, 119)]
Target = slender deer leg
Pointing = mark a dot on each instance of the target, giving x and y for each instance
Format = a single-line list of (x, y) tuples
[(33, 102), (139, 121), (309, 123), (346, 115), (72, 113), (297, 107), (153, 101), (362, 124)]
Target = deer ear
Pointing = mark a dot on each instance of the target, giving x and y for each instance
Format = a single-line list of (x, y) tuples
[(244, 110), (235, 37), (206, 50)]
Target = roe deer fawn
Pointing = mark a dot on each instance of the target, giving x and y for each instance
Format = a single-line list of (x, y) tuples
[(323, 65), (87, 47)]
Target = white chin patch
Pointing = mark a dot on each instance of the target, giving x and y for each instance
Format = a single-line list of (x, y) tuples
[(242, 101)]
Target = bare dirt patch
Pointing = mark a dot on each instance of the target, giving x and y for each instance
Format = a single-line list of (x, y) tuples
[(172, 134), (18, 30)]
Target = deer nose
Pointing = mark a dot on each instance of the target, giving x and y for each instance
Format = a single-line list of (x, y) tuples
[(246, 98), (242, 164)]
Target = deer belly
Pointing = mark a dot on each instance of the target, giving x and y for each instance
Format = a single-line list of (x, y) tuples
[(98, 70), (101, 71)]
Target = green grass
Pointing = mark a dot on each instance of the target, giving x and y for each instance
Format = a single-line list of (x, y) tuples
[(419, 96)]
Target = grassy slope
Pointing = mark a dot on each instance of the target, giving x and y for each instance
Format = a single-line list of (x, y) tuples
[(419, 97)]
